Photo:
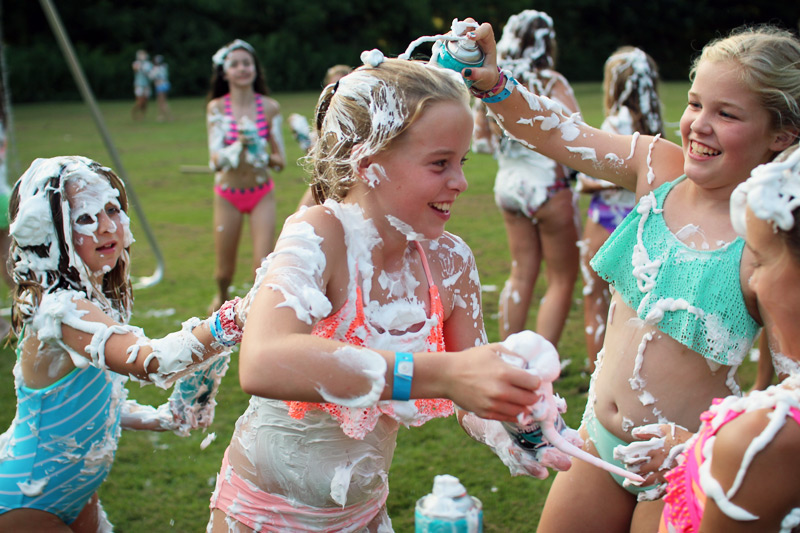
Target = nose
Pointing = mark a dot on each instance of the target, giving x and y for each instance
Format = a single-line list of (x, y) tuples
[(700, 123), (458, 181), (105, 224)]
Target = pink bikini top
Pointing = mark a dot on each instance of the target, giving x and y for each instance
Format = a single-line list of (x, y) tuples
[(356, 423), (685, 499), (261, 120)]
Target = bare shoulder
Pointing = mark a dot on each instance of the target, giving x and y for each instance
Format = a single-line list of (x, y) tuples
[(214, 106), (780, 455), (452, 264), (271, 106)]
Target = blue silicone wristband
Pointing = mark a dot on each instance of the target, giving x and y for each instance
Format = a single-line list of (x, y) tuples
[(502, 95), (403, 374), (215, 326)]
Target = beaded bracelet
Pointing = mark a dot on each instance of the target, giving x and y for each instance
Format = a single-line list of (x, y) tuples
[(223, 324), (403, 375)]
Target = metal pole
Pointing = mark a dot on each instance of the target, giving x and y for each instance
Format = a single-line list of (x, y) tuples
[(88, 97)]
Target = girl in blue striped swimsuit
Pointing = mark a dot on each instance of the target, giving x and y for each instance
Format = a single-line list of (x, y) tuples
[(72, 301)]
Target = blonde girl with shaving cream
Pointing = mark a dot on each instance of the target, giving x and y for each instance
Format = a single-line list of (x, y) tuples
[(683, 315), (367, 315), (72, 301), (533, 192)]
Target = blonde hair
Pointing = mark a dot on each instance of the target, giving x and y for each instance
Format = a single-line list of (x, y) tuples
[(769, 61), (367, 111), (630, 79), (31, 285)]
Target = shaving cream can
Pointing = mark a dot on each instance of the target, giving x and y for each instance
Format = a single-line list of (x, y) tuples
[(448, 509), (529, 437), (458, 55)]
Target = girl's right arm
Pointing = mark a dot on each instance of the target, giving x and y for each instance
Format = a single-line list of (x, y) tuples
[(89, 336), (633, 162)]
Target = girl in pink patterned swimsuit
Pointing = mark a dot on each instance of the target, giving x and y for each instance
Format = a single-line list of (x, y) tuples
[(367, 315), (740, 471), (245, 144)]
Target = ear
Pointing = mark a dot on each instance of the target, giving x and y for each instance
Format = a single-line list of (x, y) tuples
[(784, 139)]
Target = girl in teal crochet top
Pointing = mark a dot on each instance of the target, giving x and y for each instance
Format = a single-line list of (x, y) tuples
[(682, 315)]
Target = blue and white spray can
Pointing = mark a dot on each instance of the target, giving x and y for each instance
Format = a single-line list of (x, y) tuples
[(457, 55), (448, 509)]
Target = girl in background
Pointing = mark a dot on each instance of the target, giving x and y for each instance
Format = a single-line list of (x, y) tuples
[(533, 192), (245, 146), (631, 104)]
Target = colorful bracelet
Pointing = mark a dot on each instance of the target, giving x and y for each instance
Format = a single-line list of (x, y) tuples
[(501, 81), (403, 375), (223, 324)]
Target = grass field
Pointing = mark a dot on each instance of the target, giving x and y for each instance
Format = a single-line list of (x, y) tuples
[(161, 482)]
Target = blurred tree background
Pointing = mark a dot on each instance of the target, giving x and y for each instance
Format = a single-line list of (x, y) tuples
[(298, 40)]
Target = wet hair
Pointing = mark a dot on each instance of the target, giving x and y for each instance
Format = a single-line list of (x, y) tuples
[(219, 85), (630, 79), (30, 285), (769, 61), (527, 44), (366, 112), (336, 72)]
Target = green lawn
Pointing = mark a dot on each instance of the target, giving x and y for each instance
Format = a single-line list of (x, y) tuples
[(161, 482)]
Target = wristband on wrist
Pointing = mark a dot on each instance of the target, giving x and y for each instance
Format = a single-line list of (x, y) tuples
[(223, 324), (508, 88), (403, 374)]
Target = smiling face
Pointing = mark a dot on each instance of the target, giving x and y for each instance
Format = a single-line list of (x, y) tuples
[(419, 177), (98, 225), (240, 68), (725, 130), (776, 282)]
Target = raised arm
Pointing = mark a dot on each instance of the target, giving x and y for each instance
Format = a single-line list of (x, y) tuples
[(634, 162)]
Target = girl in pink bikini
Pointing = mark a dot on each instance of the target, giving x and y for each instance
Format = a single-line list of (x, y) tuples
[(245, 144), (367, 315), (740, 471)]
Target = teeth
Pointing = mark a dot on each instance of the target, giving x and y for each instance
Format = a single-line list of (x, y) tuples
[(703, 150), (441, 207)]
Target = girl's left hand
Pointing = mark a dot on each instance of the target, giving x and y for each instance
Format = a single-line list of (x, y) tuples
[(655, 452), (485, 77)]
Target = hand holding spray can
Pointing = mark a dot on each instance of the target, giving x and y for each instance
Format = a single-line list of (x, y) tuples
[(544, 433), (448, 509), (458, 54), (452, 51)]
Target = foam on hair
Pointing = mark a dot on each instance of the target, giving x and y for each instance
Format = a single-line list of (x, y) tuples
[(366, 111)]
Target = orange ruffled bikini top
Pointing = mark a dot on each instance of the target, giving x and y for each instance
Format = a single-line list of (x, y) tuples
[(357, 422)]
